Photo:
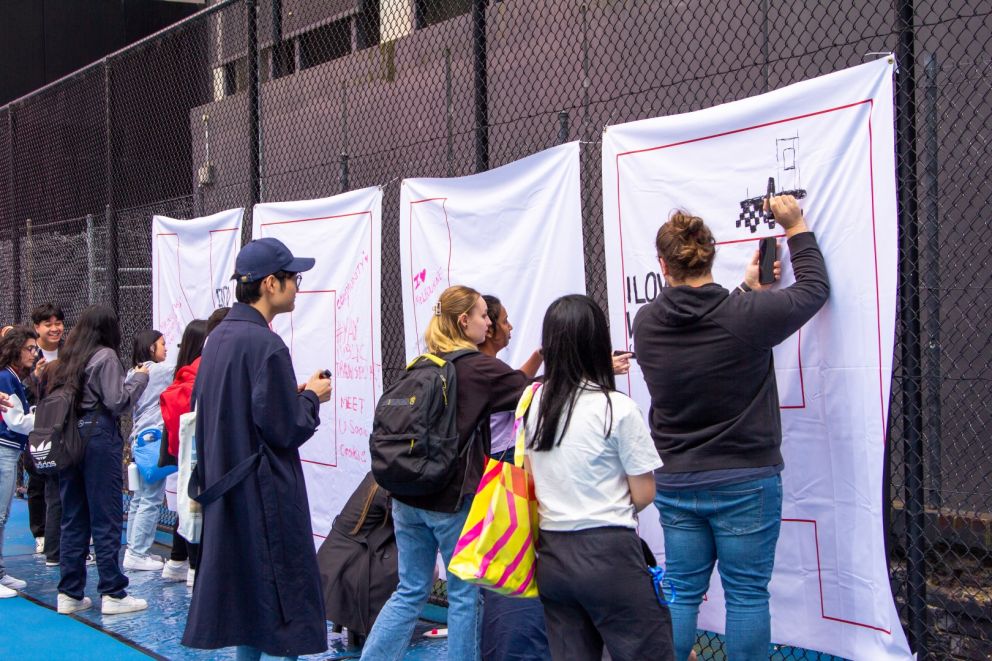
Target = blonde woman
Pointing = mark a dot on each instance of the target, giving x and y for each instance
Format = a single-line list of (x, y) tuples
[(426, 524)]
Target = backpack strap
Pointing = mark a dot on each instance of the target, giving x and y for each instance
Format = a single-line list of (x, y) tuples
[(455, 355), (440, 360)]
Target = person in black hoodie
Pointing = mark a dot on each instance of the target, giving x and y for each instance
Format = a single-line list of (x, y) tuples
[(706, 354)]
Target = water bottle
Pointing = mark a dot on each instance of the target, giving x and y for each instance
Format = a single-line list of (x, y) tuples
[(132, 476)]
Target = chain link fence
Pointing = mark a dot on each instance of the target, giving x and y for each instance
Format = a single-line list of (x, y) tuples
[(270, 100)]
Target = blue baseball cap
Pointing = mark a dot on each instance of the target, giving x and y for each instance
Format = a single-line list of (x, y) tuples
[(263, 257)]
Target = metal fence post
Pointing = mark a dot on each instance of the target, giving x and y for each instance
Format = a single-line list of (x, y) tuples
[(343, 175), (113, 240), (481, 91), (113, 286), (931, 278), (15, 237), (449, 120), (29, 267), (562, 127), (909, 313), (254, 122), (90, 260)]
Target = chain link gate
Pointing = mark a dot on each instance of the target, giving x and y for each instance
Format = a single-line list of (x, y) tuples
[(274, 100)]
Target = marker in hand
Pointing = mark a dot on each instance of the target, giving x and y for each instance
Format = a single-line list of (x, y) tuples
[(320, 384)]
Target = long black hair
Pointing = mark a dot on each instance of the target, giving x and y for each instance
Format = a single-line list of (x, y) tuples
[(141, 351), (96, 328), (575, 341), (191, 346)]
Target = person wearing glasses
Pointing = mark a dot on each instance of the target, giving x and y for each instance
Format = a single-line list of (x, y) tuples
[(251, 419), (18, 354)]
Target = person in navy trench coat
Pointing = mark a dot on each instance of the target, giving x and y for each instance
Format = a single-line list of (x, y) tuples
[(257, 585)]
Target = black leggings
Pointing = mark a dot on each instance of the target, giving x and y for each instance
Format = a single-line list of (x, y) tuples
[(183, 550)]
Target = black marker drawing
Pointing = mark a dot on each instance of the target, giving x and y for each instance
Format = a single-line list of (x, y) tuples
[(787, 156), (222, 297)]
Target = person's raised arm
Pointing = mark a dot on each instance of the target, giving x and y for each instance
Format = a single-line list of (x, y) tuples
[(770, 316), (532, 364), (115, 394)]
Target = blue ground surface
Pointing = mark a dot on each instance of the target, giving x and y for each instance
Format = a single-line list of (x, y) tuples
[(32, 629)]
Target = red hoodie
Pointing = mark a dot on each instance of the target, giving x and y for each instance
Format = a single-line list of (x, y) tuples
[(175, 400)]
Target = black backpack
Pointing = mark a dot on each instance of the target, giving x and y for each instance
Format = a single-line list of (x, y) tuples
[(55, 442), (414, 440)]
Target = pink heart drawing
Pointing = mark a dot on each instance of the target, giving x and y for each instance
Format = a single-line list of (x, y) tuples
[(420, 278)]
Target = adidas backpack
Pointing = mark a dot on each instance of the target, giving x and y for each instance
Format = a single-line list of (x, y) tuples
[(55, 442), (414, 440)]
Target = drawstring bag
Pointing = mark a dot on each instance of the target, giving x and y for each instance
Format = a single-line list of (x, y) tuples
[(496, 549), (145, 451)]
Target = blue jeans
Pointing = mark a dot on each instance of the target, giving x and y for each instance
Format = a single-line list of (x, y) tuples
[(737, 524), (92, 506), (8, 482), (419, 535), (142, 515), (247, 653)]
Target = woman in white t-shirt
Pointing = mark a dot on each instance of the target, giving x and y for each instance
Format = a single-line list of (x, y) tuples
[(592, 459)]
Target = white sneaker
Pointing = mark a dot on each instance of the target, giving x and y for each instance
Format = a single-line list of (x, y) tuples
[(9, 581), (126, 604), (139, 563), (90, 559), (67, 604), (190, 577), (174, 570), (39, 545), (7, 593)]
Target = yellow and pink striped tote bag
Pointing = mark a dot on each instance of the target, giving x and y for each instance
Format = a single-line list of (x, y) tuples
[(496, 547)]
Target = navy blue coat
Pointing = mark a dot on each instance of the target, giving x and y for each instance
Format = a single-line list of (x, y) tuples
[(257, 583)]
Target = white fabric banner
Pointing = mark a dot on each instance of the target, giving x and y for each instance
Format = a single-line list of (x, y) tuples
[(514, 232), (337, 326), (832, 138), (192, 265)]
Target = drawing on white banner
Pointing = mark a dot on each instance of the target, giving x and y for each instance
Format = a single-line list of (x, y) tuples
[(336, 326), (494, 232), (833, 375), (185, 286), (752, 209)]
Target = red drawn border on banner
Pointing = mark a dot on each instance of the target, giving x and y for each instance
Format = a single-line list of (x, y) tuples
[(871, 172), (182, 289), (878, 315), (368, 213), (210, 251), (799, 334), (413, 301), (819, 575)]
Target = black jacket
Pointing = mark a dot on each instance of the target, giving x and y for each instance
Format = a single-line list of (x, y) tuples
[(358, 567), (706, 355)]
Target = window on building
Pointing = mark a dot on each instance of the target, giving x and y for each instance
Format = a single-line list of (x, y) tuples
[(278, 61), (326, 43), (430, 12), (235, 76), (368, 24)]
